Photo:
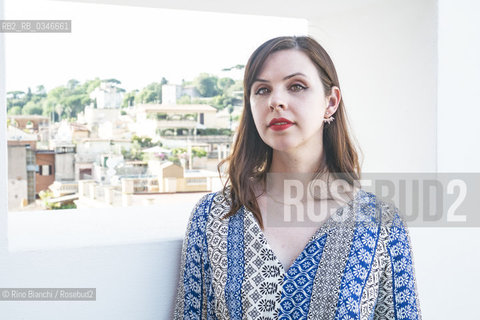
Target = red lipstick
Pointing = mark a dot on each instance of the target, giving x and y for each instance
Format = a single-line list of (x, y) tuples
[(279, 124)]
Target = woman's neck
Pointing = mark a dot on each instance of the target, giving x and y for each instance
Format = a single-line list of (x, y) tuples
[(297, 162)]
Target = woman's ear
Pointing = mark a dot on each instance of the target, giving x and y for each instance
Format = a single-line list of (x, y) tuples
[(333, 101)]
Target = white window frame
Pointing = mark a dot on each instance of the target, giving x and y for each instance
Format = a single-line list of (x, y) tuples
[(106, 230), (26, 231), (3, 143), (48, 168)]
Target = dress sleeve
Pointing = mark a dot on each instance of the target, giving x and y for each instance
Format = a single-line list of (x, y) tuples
[(191, 291), (398, 295)]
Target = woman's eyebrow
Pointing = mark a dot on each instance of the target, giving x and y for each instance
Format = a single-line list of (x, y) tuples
[(293, 75), (285, 78)]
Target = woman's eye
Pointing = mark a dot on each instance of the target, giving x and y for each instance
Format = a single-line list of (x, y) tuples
[(261, 91), (297, 87)]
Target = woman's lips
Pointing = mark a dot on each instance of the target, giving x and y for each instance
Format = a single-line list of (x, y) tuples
[(279, 124)]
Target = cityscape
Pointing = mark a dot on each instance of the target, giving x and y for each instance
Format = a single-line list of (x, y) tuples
[(92, 144)]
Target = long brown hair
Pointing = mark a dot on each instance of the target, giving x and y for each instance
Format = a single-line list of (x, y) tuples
[(251, 158)]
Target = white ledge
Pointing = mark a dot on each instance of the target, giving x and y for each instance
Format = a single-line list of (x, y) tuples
[(74, 228)]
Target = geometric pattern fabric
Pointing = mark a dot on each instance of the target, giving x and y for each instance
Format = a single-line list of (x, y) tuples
[(360, 267)]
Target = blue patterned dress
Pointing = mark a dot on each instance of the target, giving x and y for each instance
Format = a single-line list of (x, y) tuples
[(360, 268)]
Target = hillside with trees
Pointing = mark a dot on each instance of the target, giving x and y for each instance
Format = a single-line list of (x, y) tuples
[(67, 101)]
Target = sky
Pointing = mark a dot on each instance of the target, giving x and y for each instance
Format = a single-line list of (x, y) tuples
[(135, 45)]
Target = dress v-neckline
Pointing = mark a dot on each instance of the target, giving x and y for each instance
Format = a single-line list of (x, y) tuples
[(320, 232)]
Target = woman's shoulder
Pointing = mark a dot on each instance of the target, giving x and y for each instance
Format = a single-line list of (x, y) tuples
[(384, 211), (207, 215), (214, 204)]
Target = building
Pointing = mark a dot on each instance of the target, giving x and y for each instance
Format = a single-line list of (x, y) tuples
[(18, 137), (65, 162), (21, 176), (172, 92), (21, 167), (95, 120), (37, 125), (172, 119), (34, 123), (107, 96), (225, 119), (79, 131), (91, 154), (45, 175)]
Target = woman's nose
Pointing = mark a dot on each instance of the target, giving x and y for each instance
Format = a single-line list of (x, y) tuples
[(277, 100)]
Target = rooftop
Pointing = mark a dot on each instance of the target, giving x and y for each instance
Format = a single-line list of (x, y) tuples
[(30, 116), (15, 134), (177, 108)]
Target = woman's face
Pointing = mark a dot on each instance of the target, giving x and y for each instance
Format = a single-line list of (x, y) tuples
[(288, 102)]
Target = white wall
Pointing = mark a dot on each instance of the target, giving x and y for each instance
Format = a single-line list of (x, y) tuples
[(458, 86), (448, 259), (385, 55), (64, 166), (3, 143), (417, 112), (395, 59), (131, 281)]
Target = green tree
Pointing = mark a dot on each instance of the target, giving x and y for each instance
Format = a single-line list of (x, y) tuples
[(90, 85), (135, 153), (224, 84), (185, 99), (223, 101), (72, 84), (72, 98), (32, 108), (138, 143), (202, 101), (206, 85), (40, 91), (238, 67), (129, 99), (14, 111), (21, 99), (199, 152), (54, 97), (150, 94), (144, 142), (112, 80), (15, 99), (75, 103), (29, 95), (16, 94)]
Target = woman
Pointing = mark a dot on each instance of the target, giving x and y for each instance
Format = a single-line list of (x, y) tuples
[(339, 255)]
